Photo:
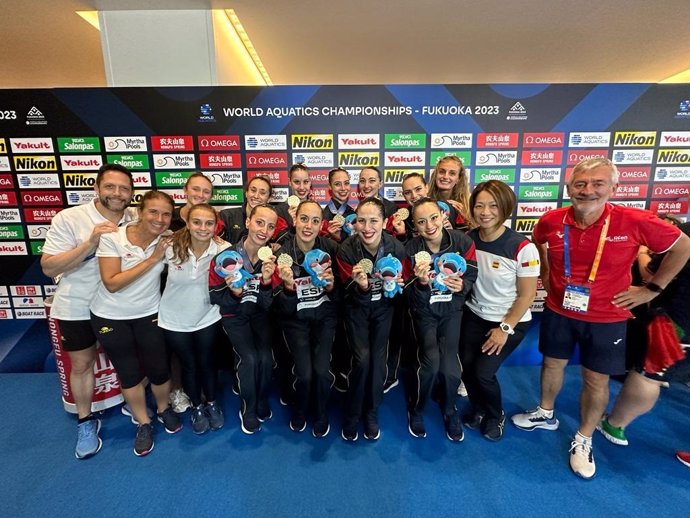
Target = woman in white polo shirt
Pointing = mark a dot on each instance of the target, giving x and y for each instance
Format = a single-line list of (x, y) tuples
[(190, 321), (124, 312)]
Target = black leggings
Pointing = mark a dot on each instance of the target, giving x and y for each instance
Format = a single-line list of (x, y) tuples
[(136, 348), (195, 350)]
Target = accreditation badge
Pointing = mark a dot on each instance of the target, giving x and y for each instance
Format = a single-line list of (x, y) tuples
[(576, 298)]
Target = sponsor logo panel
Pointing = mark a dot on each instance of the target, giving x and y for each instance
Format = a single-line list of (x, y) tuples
[(485, 158), (674, 138), (220, 160), (79, 180), (79, 145), (183, 161), (35, 163), (497, 140), (141, 179), (318, 177), (10, 216), (577, 156), (6, 314), (42, 215), (358, 141), (669, 207), (3, 146), (280, 194), (13, 248), (633, 204), (405, 140), (540, 175), (32, 145), (27, 302), (42, 198), (525, 225), (49, 289), (133, 162), (404, 158), (268, 160), (125, 144), (672, 174), (313, 159), (554, 157), (538, 192), (5, 303), (321, 194), (530, 140), (171, 179), (219, 142), (634, 173), (486, 174), (36, 247), (451, 140), (37, 231), (6, 181), (5, 163), (634, 138), (312, 141), (227, 196), (9, 232), (396, 176), (38, 181), (78, 163), (589, 139), (673, 156), (535, 209), (30, 313), (633, 156), (277, 177), (172, 143), (267, 142), (666, 191), (8, 198), (393, 193), (80, 197), (25, 290), (631, 190), (225, 178), (464, 156)]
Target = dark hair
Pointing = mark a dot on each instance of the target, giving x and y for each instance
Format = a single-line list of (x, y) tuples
[(504, 196), (297, 167), (299, 207), (153, 195), (197, 174), (264, 206), (378, 172), (414, 175), (373, 201), (182, 239), (262, 178), (113, 167), (421, 202), (332, 172)]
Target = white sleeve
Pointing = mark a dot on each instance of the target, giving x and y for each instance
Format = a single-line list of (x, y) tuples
[(528, 261), (60, 237), (108, 245)]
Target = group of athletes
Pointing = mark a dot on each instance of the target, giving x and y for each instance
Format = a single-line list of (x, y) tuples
[(316, 294)]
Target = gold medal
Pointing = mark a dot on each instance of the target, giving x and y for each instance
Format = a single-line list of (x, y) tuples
[(293, 201), (366, 265), (403, 214), (422, 257), (264, 253), (338, 218), (285, 260)]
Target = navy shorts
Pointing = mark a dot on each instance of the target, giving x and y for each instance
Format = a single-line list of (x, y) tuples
[(77, 335), (602, 345)]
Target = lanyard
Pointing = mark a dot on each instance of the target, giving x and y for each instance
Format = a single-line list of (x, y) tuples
[(245, 257), (597, 256), (339, 210)]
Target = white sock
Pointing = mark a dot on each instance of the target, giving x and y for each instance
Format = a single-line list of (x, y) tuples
[(583, 438), (548, 413)]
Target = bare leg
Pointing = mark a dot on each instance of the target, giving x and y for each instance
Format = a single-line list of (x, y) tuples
[(593, 400), (637, 397), (82, 380), (161, 393), (136, 399), (551, 381)]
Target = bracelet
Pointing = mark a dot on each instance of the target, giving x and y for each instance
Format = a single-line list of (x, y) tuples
[(652, 286)]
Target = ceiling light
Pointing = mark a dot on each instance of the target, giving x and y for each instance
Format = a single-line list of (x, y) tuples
[(91, 17)]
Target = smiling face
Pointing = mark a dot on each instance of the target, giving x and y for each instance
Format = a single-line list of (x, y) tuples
[(308, 222), (198, 190), (413, 189), (428, 222), (486, 212), (258, 193), (447, 175), (369, 224), (155, 215), (590, 189), (340, 186), (201, 223), (369, 182), (261, 225), (114, 190), (300, 183)]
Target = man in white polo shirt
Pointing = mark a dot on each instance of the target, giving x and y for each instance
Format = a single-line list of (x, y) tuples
[(70, 254)]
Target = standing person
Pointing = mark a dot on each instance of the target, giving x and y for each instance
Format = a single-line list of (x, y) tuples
[(124, 313), (307, 305), (642, 386), (339, 184), (370, 184), (368, 317), (299, 183), (414, 188), (449, 183), (69, 253), (186, 314), (586, 253), (436, 309), (499, 316), (244, 311)]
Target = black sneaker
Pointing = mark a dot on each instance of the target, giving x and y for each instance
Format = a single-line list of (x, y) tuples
[(390, 384), (298, 422), (454, 427), (492, 428), (416, 424), (340, 384), (170, 420), (263, 411), (215, 415), (143, 441), (200, 424), (321, 427), (473, 419), (349, 434), (371, 427), (249, 423)]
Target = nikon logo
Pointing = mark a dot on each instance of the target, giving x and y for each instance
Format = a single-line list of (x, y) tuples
[(31, 163), (358, 159), (3, 146), (673, 156), (635, 138), (79, 180), (312, 141), (398, 175), (525, 224)]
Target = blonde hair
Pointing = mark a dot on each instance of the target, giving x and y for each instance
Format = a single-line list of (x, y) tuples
[(460, 191)]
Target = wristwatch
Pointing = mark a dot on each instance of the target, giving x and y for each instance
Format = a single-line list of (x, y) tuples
[(507, 328)]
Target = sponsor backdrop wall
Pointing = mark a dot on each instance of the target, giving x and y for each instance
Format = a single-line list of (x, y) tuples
[(529, 136)]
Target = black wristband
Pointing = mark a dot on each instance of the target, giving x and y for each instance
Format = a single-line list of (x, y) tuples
[(651, 286)]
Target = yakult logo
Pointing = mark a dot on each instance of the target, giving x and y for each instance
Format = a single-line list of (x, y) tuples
[(31, 145), (83, 162), (358, 141), (674, 139)]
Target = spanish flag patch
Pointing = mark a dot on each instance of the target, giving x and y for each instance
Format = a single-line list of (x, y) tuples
[(533, 262)]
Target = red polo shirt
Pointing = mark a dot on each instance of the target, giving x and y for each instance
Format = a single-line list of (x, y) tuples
[(628, 229)]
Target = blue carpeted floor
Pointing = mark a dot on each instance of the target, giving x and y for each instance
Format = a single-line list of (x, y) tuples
[(281, 473)]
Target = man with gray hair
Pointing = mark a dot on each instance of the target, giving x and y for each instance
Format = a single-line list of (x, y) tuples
[(587, 251)]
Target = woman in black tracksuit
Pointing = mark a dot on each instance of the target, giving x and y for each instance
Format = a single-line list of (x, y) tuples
[(368, 317), (245, 317), (308, 316), (436, 316)]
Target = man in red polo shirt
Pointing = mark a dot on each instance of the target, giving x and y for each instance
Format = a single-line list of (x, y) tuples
[(587, 251)]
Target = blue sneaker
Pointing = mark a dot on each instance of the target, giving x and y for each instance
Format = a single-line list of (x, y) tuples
[(215, 416), (88, 441)]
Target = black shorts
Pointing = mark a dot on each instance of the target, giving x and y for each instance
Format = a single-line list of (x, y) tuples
[(602, 345), (77, 335)]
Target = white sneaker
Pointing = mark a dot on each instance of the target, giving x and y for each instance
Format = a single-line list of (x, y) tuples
[(179, 401), (582, 459), (533, 419), (462, 390)]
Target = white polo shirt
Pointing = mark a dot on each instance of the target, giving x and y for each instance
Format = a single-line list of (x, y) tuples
[(75, 289), (185, 305), (141, 297)]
